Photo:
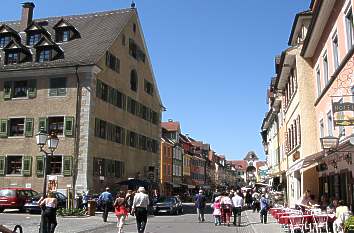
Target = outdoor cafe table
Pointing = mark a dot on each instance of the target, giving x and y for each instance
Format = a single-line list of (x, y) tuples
[(273, 211), (285, 220)]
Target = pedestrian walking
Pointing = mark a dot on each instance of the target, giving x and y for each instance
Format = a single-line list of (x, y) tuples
[(264, 208), (200, 202), (140, 205), (106, 201), (248, 198), (255, 203), (217, 211), (237, 203), (130, 198), (50, 205), (120, 210), (85, 198), (215, 195), (226, 207)]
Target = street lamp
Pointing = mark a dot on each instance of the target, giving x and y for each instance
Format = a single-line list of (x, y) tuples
[(52, 142)]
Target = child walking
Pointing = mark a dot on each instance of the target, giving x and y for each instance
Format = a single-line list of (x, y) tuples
[(217, 211)]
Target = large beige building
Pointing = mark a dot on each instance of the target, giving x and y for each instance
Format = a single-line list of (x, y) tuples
[(293, 105), (89, 78)]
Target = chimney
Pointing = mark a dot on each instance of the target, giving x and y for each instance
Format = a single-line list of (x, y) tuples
[(27, 14)]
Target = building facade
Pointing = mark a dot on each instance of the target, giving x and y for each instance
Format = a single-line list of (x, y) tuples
[(89, 79)]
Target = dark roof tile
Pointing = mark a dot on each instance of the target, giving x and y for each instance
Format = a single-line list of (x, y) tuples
[(98, 31)]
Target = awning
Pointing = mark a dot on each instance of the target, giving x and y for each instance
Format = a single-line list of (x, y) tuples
[(191, 186), (311, 160)]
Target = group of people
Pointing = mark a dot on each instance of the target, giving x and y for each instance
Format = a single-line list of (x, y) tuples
[(337, 207), (228, 203), (124, 204)]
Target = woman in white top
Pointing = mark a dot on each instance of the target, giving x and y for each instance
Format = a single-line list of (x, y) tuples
[(49, 204), (226, 207)]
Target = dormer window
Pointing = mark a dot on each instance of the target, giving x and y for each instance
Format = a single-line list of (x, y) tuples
[(33, 39), (47, 50), (16, 53), (12, 58), (64, 31), (4, 40), (44, 55)]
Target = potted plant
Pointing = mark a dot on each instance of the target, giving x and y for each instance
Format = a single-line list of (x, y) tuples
[(349, 225)]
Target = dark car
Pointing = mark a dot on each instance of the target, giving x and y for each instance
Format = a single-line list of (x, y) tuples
[(169, 205), (15, 198), (32, 204)]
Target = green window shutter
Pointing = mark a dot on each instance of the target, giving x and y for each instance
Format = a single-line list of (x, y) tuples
[(68, 165), (7, 90), (29, 127), (69, 126), (2, 165), (32, 88), (3, 128), (43, 123), (40, 165), (27, 166)]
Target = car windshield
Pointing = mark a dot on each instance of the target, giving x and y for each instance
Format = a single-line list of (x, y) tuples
[(167, 199), (7, 193)]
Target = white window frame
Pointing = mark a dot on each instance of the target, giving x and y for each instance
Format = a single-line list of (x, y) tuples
[(318, 80), (62, 166), (58, 135), (335, 36), (347, 10), (24, 126), (58, 96), (12, 155), (325, 69)]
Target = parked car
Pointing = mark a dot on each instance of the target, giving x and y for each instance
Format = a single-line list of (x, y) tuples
[(32, 206), (169, 205), (15, 198)]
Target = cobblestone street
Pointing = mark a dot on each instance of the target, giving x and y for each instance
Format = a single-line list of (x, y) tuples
[(156, 224)]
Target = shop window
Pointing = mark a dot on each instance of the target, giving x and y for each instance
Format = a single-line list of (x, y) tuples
[(56, 125), (14, 165), (17, 127)]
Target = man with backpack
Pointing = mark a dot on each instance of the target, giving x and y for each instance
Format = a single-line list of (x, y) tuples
[(200, 202)]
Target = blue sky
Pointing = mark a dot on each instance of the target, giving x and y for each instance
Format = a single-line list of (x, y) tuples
[(213, 59)]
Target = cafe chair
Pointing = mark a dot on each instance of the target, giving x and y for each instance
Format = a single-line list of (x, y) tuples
[(296, 223), (320, 222)]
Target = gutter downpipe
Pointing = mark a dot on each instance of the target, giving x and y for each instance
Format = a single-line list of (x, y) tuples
[(77, 130)]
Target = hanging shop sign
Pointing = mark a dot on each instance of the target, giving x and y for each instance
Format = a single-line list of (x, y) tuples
[(343, 113)]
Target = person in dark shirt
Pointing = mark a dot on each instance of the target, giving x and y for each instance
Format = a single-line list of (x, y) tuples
[(200, 202)]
